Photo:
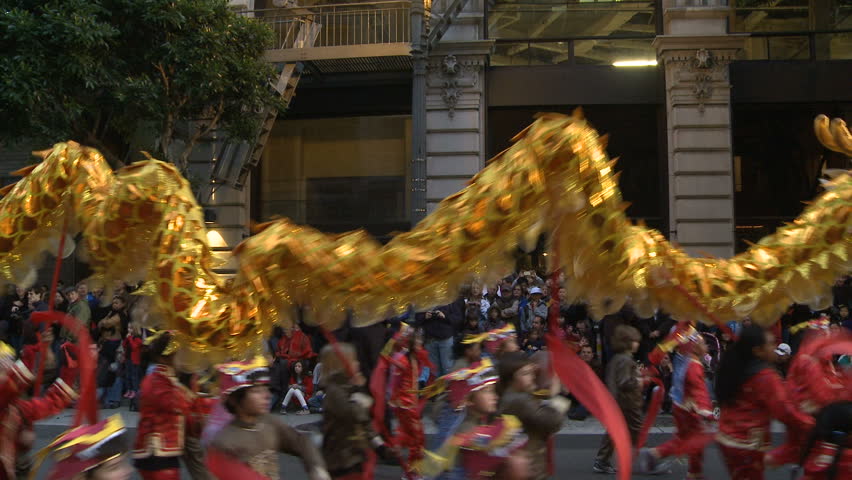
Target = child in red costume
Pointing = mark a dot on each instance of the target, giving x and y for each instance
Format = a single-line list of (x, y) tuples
[(751, 393), (132, 344), (96, 451), (406, 366), (167, 414), (17, 415), (813, 382), (692, 407), (478, 446), (828, 451)]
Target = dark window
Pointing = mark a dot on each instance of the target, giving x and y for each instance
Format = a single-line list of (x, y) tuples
[(777, 163), (376, 204)]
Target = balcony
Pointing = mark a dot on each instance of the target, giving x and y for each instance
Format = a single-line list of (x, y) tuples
[(351, 37)]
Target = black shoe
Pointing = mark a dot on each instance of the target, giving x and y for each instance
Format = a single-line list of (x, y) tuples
[(603, 467)]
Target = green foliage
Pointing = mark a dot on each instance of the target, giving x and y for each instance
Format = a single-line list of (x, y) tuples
[(102, 71)]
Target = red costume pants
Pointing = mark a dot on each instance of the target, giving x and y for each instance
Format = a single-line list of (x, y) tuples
[(164, 474), (410, 433), (743, 464), (689, 439)]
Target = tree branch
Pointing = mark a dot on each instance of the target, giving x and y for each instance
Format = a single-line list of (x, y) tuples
[(165, 78), (200, 133)]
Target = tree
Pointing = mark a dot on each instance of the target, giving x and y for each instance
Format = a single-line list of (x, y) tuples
[(111, 73)]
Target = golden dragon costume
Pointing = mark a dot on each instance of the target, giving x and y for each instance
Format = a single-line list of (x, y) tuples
[(143, 223)]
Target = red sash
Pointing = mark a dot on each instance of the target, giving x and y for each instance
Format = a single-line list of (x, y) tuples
[(224, 466)]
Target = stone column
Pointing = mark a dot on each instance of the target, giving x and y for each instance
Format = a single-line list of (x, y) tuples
[(226, 209), (455, 105), (695, 52)]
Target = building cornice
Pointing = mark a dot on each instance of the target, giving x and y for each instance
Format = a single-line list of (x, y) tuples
[(464, 48), (667, 43)]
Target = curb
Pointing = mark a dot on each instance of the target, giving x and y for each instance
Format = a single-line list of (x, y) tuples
[(589, 427)]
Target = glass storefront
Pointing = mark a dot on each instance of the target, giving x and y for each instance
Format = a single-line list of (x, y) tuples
[(339, 174), (549, 32), (634, 136), (775, 151)]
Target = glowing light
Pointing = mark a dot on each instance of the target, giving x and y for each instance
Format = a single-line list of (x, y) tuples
[(215, 240), (635, 63)]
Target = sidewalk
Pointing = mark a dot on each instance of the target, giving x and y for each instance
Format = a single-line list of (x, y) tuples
[(590, 426)]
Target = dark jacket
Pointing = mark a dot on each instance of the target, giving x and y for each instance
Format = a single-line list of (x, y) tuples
[(622, 379), (438, 328), (540, 421), (347, 426)]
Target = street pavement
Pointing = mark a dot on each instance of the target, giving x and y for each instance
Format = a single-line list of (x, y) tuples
[(576, 445)]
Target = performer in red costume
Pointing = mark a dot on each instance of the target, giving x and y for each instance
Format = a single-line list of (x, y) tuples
[(814, 382), (480, 446), (751, 393), (167, 411), (493, 451), (17, 415), (96, 452), (693, 408), (15, 377), (69, 371), (828, 452), (406, 366)]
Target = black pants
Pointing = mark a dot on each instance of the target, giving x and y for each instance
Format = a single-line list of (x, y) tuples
[(279, 381)]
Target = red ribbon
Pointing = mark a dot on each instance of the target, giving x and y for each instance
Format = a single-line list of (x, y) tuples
[(87, 406), (223, 465), (653, 410), (587, 388)]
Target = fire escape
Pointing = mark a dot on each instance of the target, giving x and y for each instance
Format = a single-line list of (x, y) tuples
[(318, 40)]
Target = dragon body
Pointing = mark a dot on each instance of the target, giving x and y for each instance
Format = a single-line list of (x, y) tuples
[(142, 223)]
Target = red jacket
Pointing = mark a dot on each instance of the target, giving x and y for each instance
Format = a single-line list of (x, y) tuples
[(696, 398), (133, 345), (28, 355), (16, 421), (70, 367), (745, 424), (164, 407), (814, 383), (405, 372), (821, 457), (295, 347), (14, 381)]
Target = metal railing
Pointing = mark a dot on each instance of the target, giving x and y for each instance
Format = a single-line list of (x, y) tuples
[(340, 24)]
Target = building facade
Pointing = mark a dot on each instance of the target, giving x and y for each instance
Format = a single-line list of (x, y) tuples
[(708, 103)]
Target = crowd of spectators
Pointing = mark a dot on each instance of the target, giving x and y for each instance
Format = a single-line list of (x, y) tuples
[(523, 300)]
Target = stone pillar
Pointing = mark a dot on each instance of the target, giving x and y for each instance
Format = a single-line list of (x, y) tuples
[(695, 53), (455, 104), (420, 62), (226, 209)]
